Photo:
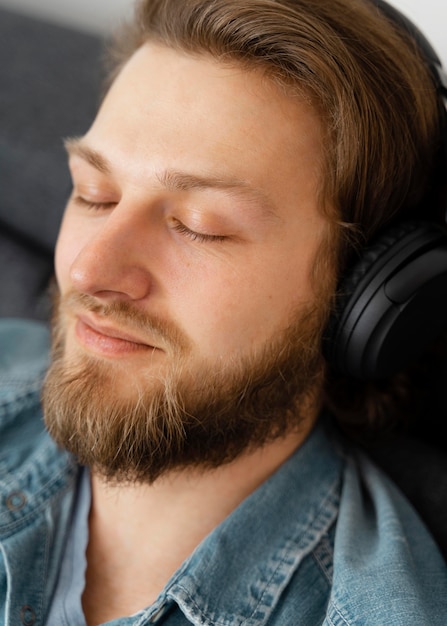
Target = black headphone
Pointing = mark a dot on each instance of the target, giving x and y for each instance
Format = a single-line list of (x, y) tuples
[(393, 302)]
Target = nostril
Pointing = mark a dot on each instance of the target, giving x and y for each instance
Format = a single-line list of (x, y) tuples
[(110, 278)]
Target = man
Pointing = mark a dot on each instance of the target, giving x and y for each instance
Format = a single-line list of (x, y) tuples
[(192, 474)]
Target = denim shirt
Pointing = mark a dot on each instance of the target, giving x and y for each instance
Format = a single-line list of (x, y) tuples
[(326, 540)]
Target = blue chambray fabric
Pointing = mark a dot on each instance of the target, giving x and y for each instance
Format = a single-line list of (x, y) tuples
[(66, 603), (327, 540)]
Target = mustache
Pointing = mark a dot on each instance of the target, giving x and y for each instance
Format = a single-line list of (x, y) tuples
[(126, 315)]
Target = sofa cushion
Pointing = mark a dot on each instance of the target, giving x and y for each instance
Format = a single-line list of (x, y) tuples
[(49, 85), (50, 78)]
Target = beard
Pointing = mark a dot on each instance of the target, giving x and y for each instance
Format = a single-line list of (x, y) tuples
[(188, 415)]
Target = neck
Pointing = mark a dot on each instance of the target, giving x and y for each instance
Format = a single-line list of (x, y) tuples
[(143, 533)]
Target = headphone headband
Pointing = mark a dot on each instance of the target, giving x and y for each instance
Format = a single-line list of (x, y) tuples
[(393, 302)]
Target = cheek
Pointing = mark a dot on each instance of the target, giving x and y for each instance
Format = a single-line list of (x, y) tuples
[(234, 314)]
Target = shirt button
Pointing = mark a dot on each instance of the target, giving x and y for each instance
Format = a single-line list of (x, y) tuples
[(16, 501), (27, 615)]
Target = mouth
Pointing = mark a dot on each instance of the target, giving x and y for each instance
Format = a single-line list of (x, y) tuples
[(108, 340)]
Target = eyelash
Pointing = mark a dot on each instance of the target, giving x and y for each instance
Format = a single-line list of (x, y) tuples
[(194, 236), (179, 227), (93, 206)]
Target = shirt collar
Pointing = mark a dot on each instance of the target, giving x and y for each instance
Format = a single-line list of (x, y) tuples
[(237, 574)]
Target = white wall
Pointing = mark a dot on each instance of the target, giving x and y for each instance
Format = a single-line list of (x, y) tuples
[(431, 17), (101, 15), (97, 16)]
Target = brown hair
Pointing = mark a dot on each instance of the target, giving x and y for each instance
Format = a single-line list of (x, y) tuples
[(374, 94), (372, 89)]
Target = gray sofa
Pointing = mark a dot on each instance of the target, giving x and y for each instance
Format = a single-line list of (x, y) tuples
[(50, 81)]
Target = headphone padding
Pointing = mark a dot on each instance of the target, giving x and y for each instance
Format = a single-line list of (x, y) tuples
[(409, 258)]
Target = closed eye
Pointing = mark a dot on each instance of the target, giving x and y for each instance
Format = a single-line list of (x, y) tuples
[(93, 206), (195, 236)]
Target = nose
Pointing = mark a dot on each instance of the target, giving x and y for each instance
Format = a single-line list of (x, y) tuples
[(112, 264)]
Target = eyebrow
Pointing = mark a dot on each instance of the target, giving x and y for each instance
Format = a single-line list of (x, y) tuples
[(76, 147), (173, 180)]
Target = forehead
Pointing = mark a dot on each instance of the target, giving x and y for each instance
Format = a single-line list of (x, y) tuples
[(168, 110)]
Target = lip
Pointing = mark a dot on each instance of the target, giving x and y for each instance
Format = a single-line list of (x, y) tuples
[(106, 339)]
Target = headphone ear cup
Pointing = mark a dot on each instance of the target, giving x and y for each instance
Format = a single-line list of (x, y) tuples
[(391, 304)]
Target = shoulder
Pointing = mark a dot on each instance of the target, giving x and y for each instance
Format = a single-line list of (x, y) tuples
[(29, 459), (387, 568), (24, 349)]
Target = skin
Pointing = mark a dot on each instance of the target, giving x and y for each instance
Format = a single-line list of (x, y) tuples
[(224, 260)]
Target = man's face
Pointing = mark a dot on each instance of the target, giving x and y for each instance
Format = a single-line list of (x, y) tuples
[(187, 247)]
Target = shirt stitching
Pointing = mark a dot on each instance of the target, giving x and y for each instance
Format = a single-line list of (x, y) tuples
[(323, 555)]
